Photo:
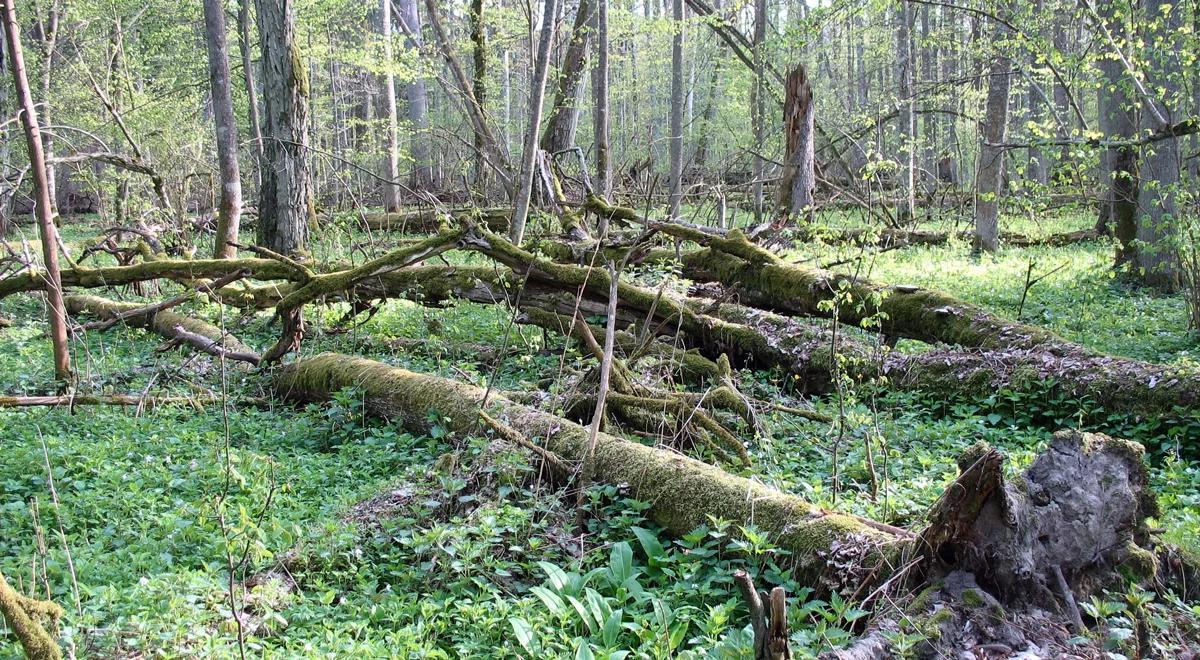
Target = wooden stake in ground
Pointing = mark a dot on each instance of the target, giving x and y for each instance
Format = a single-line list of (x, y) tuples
[(41, 190)]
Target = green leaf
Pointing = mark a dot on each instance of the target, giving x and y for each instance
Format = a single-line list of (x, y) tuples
[(650, 545), (524, 633)]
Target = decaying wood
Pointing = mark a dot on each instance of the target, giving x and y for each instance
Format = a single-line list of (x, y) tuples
[(97, 400), (27, 618), (200, 335)]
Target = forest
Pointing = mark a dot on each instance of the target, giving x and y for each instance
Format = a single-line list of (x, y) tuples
[(763, 329)]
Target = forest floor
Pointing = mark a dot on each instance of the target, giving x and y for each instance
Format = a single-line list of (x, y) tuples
[(362, 539)]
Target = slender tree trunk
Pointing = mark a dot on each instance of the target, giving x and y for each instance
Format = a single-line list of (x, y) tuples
[(286, 198), (1118, 204), (677, 100), (908, 125), (565, 111), (1156, 257), (230, 212), (418, 104), (600, 112), (537, 94), (758, 106), (391, 157), (990, 177), (479, 79), (251, 88), (41, 187)]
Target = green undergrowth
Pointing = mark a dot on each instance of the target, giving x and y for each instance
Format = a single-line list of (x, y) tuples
[(363, 539)]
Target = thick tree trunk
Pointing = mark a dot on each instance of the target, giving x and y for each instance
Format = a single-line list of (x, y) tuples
[(799, 179), (677, 99), (230, 212), (529, 157), (391, 155), (564, 112), (1118, 203), (1156, 256), (990, 177), (42, 191), (286, 199)]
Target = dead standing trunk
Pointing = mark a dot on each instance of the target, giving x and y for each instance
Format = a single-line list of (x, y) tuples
[(600, 112), (229, 213), (799, 181), (286, 198), (479, 81), (41, 188)]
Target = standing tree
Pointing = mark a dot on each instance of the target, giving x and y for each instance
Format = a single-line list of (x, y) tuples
[(990, 176), (565, 111), (1158, 205), (251, 87), (905, 99), (418, 103), (41, 188), (229, 213), (391, 155), (758, 104), (600, 112), (479, 79), (677, 94), (286, 198), (537, 94), (1118, 165)]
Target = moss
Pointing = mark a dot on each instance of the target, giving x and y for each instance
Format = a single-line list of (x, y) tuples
[(972, 598), (683, 491), (22, 616)]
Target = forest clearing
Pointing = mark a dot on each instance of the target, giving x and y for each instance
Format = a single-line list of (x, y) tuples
[(776, 329)]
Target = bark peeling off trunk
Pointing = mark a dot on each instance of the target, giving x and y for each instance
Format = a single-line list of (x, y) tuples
[(830, 550)]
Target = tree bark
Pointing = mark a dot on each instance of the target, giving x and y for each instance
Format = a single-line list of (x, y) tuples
[(42, 191), (677, 100), (251, 89), (1118, 204), (990, 175), (478, 79), (600, 131), (418, 103), (391, 156), (286, 198), (1156, 255), (906, 98), (564, 112), (537, 94), (758, 105), (230, 212), (799, 179)]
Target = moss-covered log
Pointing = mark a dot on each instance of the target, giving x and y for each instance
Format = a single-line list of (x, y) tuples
[(888, 237), (682, 491), (1080, 508), (27, 619), (179, 270), (201, 335)]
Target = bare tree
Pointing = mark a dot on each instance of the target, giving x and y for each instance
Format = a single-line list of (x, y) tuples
[(285, 204), (41, 187), (677, 100), (479, 78), (391, 156), (990, 175), (537, 94), (229, 213)]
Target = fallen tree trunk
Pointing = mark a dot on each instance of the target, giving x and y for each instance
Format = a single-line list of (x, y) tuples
[(98, 400), (1078, 511), (200, 335), (682, 490), (179, 270)]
